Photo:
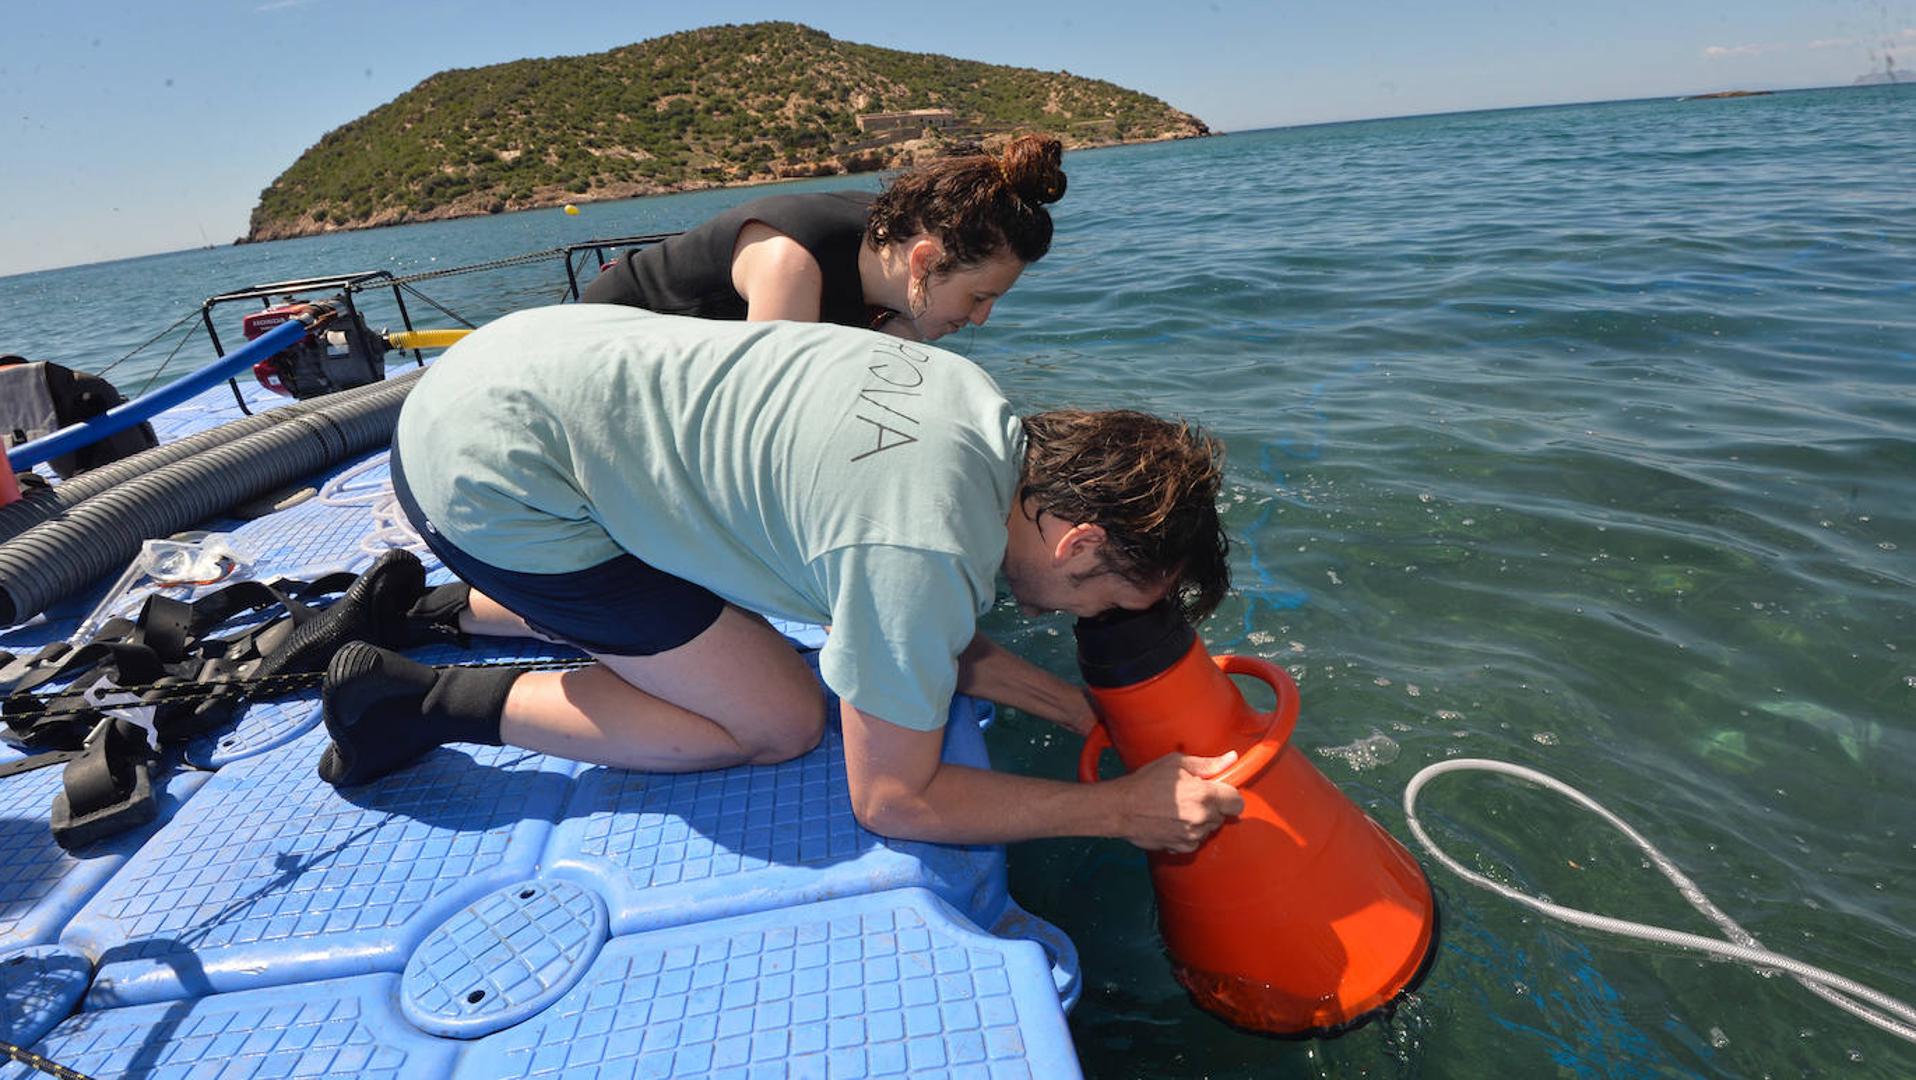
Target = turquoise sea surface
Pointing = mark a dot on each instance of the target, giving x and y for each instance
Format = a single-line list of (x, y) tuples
[(1582, 437)]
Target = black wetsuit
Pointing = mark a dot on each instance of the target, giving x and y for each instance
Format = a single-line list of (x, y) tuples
[(691, 274)]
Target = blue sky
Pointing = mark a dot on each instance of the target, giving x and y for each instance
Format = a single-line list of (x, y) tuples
[(131, 128)]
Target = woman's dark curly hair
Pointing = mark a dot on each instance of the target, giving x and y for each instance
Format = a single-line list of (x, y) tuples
[(976, 205), (1151, 483)]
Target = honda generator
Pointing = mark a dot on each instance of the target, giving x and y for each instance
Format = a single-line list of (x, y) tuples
[(343, 355)]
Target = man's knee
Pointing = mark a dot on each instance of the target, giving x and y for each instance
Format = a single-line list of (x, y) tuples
[(793, 735)]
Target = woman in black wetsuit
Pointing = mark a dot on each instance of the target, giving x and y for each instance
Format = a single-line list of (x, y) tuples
[(929, 254)]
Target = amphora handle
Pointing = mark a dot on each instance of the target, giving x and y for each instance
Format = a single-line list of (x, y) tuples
[(1280, 722)]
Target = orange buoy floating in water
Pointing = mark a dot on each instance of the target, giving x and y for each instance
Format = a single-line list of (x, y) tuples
[(1301, 916), (571, 209)]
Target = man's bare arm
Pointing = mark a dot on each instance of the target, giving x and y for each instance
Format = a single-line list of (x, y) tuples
[(988, 670), (901, 788)]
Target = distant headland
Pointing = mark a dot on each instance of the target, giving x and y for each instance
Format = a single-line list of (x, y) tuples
[(1727, 94), (704, 108)]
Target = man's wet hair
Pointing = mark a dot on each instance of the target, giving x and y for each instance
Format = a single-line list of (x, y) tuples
[(1151, 483)]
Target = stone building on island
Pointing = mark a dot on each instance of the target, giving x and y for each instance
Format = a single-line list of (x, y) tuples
[(910, 120)]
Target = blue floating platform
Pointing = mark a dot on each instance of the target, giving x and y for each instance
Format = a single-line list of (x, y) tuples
[(678, 848), (268, 875), (39, 986), (342, 1028), (490, 912), (43, 885), (889, 984), (503, 959)]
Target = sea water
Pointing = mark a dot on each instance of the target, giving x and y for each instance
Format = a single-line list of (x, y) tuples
[(1583, 437)]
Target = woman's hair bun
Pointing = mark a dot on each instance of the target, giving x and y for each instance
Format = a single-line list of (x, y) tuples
[(1033, 167), (976, 205)]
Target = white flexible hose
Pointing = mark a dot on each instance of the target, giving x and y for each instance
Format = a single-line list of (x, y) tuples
[(390, 527), (1828, 985)]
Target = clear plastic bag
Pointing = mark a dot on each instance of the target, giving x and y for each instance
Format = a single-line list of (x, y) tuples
[(183, 567)]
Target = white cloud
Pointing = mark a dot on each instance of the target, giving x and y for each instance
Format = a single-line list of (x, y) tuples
[(1718, 52), (282, 5), (1830, 43)]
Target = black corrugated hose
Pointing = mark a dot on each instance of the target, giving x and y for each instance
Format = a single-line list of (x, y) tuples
[(38, 504), (149, 497)]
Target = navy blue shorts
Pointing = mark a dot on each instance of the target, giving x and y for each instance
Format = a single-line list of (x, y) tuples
[(622, 607)]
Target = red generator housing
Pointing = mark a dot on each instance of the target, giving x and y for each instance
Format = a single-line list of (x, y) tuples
[(342, 356)]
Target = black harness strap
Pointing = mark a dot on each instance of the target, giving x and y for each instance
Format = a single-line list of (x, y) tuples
[(107, 789), (37, 761), (107, 786), (59, 660)]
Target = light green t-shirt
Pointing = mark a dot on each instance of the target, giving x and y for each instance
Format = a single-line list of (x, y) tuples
[(808, 471)]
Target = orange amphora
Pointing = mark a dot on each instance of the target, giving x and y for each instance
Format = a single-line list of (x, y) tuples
[(1301, 916)]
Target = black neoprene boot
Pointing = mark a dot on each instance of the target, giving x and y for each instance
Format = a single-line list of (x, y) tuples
[(373, 609), (434, 617), (384, 710)]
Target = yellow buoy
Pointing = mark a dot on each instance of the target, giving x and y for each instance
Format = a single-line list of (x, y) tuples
[(571, 209)]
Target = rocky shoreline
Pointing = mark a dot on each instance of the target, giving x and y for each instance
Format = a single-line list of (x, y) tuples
[(482, 204)]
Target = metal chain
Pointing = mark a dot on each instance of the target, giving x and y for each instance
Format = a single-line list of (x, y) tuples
[(154, 693), (34, 1061), (450, 271)]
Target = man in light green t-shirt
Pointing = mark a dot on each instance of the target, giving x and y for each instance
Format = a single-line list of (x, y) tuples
[(643, 485)]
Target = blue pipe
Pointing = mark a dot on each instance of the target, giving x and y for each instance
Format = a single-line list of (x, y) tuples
[(138, 411)]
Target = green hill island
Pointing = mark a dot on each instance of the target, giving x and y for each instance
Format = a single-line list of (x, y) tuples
[(703, 108)]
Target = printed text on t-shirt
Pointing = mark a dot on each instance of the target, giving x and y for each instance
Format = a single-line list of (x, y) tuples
[(897, 373)]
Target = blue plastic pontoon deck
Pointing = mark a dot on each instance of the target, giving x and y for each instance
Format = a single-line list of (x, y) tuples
[(490, 912)]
